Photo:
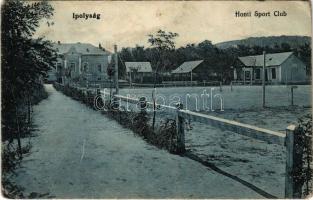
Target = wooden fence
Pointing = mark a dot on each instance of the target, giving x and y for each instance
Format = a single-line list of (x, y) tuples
[(272, 137)]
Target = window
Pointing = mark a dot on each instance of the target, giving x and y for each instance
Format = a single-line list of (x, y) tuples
[(273, 73), (85, 67), (257, 73), (247, 74), (72, 67), (59, 67), (99, 67)]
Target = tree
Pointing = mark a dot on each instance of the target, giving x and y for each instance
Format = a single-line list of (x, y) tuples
[(124, 56), (285, 47), (305, 56), (164, 43), (25, 60), (206, 47), (139, 53)]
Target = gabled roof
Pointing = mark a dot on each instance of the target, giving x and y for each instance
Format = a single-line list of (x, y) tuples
[(187, 67), (138, 66), (82, 48), (272, 59)]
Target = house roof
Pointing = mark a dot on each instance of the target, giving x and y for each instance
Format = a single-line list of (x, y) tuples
[(187, 67), (82, 48), (138, 66), (273, 59)]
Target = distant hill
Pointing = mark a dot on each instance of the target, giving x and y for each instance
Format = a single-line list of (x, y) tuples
[(271, 41)]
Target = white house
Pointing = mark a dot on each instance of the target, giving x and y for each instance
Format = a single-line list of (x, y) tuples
[(279, 68), (81, 62)]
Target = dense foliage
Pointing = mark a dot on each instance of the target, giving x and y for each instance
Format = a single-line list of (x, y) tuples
[(217, 59), (303, 172), (25, 61)]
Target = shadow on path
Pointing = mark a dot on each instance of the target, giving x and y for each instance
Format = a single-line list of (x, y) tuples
[(235, 178)]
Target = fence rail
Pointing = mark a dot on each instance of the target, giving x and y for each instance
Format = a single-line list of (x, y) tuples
[(237, 127), (266, 135)]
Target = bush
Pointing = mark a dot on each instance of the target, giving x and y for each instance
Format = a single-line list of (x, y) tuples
[(303, 172)]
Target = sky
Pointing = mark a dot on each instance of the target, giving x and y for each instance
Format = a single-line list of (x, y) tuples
[(129, 23)]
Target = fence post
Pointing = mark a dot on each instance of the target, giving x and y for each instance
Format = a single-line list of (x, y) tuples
[(289, 183), (97, 91), (180, 130), (231, 86), (292, 88), (142, 104), (291, 96), (220, 86), (114, 102), (251, 76)]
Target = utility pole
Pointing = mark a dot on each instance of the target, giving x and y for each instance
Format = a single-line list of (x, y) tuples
[(263, 79), (116, 69), (244, 76), (251, 74), (191, 77)]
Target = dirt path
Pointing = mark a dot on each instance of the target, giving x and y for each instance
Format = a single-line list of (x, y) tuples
[(80, 153)]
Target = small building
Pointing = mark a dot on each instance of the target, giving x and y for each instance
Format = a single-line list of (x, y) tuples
[(81, 63), (138, 72), (193, 70), (279, 68)]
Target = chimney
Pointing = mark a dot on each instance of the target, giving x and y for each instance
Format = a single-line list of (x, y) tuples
[(100, 47)]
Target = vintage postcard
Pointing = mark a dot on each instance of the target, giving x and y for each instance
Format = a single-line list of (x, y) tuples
[(156, 99)]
